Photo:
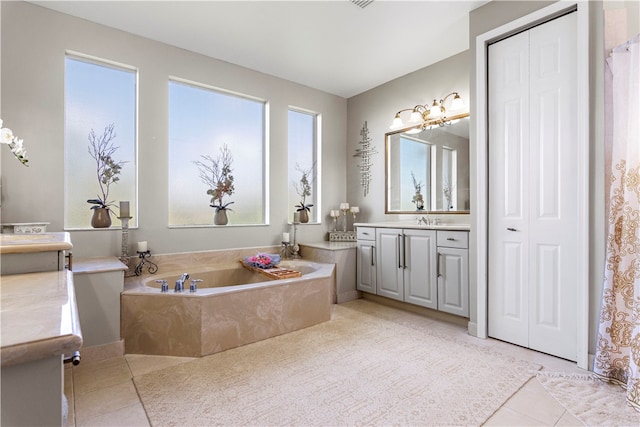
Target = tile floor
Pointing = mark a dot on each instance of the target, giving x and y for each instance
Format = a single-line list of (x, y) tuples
[(101, 393)]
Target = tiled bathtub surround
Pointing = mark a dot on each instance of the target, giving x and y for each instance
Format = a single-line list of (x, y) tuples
[(217, 319)]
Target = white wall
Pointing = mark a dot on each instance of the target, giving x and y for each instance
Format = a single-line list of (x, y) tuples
[(34, 41)]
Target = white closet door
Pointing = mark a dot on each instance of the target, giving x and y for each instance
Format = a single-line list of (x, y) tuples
[(532, 188), (508, 182)]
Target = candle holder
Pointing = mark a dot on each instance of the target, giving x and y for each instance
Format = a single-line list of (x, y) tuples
[(355, 214), (152, 267), (294, 247), (344, 213), (124, 248), (289, 250), (334, 215)]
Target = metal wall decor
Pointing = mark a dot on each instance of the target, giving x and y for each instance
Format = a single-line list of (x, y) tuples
[(365, 152)]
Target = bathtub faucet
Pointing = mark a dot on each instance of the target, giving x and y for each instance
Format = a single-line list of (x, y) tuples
[(180, 282)]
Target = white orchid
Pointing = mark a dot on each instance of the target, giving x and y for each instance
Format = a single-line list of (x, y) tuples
[(15, 144), (6, 136)]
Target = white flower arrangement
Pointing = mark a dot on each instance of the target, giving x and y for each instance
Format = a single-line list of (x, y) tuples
[(15, 144)]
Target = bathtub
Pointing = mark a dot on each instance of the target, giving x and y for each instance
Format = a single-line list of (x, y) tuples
[(232, 306)]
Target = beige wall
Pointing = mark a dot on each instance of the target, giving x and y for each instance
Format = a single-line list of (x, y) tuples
[(378, 107), (34, 41)]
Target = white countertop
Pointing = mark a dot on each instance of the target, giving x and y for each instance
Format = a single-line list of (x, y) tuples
[(39, 316), (414, 225)]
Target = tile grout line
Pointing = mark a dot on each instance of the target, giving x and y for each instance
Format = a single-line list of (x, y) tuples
[(137, 391)]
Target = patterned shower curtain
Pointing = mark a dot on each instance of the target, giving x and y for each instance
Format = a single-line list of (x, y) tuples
[(617, 357)]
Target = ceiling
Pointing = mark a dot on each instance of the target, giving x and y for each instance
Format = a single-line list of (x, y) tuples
[(331, 45)]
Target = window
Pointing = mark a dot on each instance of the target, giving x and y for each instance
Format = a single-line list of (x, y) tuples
[(419, 158), (204, 121), (303, 162), (449, 179), (99, 96)]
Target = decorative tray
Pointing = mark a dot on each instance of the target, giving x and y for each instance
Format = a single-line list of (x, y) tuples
[(274, 272)]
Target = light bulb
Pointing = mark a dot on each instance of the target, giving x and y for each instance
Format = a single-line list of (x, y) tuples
[(457, 103), (397, 122), (416, 117), (434, 111)]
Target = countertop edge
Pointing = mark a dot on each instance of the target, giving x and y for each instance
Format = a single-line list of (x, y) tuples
[(331, 246), (31, 351), (67, 343), (98, 265), (29, 243), (440, 227)]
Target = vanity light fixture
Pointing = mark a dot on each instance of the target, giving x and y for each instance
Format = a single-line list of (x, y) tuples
[(425, 116)]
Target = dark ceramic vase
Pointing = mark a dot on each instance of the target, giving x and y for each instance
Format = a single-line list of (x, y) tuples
[(304, 216), (220, 217), (101, 218)]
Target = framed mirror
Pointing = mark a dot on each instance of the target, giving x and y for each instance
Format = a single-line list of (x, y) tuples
[(427, 168)]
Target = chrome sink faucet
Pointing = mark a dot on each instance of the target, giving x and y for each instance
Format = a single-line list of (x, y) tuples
[(426, 221), (180, 282)]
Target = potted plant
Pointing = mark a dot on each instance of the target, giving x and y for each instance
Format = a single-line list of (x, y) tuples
[(216, 175), (303, 188), (14, 143), (417, 197), (101, 149)]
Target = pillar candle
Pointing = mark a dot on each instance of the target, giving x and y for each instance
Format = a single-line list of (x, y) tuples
[(142, 246), (296, 217), (124, 210), (285, 237)]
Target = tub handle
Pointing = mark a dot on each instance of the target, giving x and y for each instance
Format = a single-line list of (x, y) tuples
[(194, 285), (164, 287)]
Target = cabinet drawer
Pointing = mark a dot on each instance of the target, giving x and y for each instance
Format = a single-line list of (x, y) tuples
[(366, 233), (453, 239)]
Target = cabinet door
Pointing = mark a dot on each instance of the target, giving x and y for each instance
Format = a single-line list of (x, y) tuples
[(453, 281), (419, 262), (366, 267), (389, 259)]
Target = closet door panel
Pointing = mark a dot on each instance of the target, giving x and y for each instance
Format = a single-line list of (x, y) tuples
[(508, 180), (553, 210)]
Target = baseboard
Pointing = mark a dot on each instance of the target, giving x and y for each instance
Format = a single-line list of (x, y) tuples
[(101, 352), (472, 328), (348, 296), (427, 312)]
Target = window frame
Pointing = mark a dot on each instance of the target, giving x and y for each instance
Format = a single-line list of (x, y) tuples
[(265, 151), (120, 66), (314, 217)]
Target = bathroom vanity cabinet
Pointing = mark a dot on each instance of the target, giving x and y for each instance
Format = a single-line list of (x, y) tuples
[(39, 327), (366, 260), (421, 265), (453, 272)]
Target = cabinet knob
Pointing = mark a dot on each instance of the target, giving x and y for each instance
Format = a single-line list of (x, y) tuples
[(451, 238), (511, 229)]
